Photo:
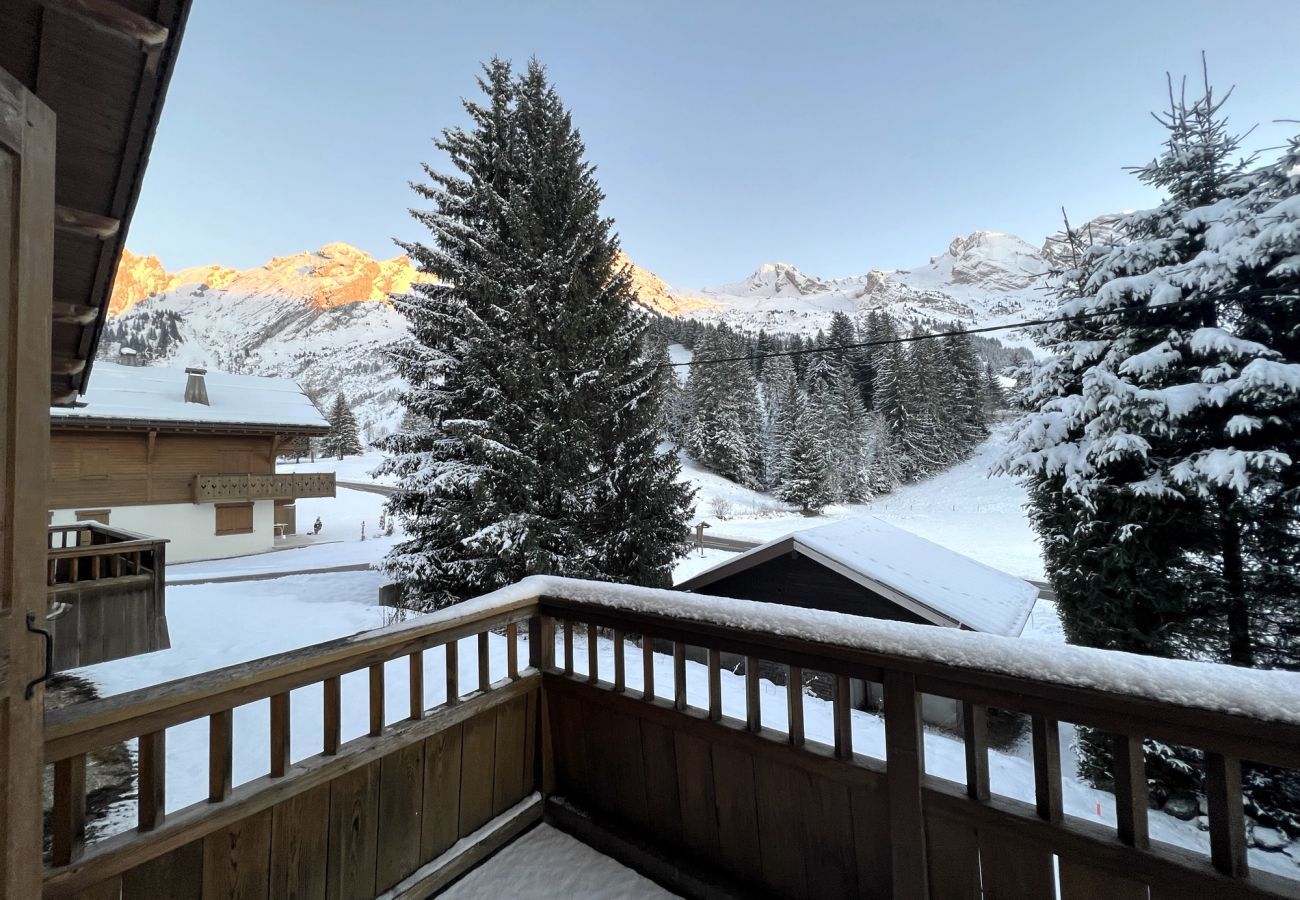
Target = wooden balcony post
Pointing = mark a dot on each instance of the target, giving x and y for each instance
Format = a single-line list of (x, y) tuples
[(620, 663), (1227, 817), (842, 716), (794, 702), (541, 642), (416, 688), (453, 671), (679, 676), (279, 734), (975, 722), (152, 803), (753, 709), (904, 766), (68, 816), (593, 654), (568, 647), (648, 667), (1047, 769), (715, 685), (1130, 791), (333, 715), (376, 699), (512, 651), (221, 733), (484, 658)]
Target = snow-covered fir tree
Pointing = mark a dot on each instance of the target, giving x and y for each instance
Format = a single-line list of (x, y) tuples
[(536, 405), (722, 430), (1161, 443), (342, 439), (805, 465)]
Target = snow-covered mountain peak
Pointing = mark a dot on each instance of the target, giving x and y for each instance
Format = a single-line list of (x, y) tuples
[(991, 260), (775, 279)]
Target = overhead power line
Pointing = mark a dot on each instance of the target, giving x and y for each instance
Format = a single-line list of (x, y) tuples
[(1028, 323)]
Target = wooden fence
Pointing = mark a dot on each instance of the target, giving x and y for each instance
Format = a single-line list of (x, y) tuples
[(106, 590), (402, 810), (284, 486)]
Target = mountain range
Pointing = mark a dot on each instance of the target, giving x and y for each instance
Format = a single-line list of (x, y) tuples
[(323, 317)]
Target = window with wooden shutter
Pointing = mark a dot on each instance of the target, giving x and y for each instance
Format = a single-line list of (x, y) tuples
[(234, 518)]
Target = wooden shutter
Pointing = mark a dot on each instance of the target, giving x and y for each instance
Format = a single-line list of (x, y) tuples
[(234, 518)]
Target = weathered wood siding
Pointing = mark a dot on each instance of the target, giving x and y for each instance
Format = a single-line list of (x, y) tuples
[(798, 581), (108, 619), (90, 468)]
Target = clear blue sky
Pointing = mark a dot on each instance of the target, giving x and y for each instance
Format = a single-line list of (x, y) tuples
[(838, 136)]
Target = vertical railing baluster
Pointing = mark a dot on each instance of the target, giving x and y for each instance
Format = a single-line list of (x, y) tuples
[(152, 766), (512, 651), (842, 713), (1047, 769), (620, 664), (679, 676), (794, 703), (416, 677), (568, 647), (279, 734), (1130, 791), (715, 685), (1227, 816), (376, 699), (648, 667), (95, 565), (975, 722), (68, 816), (484, 658), (753, 710), (333, 715), (593, 652), (221, 739), (453, 671)]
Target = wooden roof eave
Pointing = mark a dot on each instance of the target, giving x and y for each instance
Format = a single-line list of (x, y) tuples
[(176, 426)]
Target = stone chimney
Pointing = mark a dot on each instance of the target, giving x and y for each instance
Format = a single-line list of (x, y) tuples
[(196, 390)]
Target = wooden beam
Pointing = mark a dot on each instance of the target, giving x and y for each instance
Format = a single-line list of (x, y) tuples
[(84, 224), (113, 18), (152, 443), (74, 313)]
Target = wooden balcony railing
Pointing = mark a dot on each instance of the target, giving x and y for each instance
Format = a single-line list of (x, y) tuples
[(285, 486), (684, 793), (106, 589)]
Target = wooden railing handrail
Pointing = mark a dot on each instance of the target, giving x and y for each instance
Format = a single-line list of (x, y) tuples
[(85, 727), (85, 550)]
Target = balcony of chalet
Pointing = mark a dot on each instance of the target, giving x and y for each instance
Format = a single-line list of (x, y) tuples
[(673, 767), (106, 592), (283, 486)]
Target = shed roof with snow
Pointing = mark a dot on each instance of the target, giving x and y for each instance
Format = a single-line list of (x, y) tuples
[(901, 575), (136, 396)]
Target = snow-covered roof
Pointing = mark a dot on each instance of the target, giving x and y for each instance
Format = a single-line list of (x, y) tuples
[(154, 395), (938, 584)]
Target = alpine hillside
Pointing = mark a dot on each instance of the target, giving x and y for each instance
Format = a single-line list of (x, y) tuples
[(323, 317)]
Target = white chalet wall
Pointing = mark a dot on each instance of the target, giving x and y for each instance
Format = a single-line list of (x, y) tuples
[(190, 528)]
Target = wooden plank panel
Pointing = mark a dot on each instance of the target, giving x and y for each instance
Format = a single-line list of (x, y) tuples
[(177, 875), (733, 781), (401, 798), (237, 860), (508, 781), (1084, 882), (779, 794), (1013, 869), (623, 778), (568, 746), (695, 792), (354, 813), (953, 855), (440, 820), (477, 771), (830, 863), (871, 839), (659, 762), (300, 845)]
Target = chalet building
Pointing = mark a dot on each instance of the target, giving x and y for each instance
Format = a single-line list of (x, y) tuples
[(188, 456), (865, 567), (710, 800)]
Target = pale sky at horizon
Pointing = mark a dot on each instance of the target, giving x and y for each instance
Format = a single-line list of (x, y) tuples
[(837, 136)]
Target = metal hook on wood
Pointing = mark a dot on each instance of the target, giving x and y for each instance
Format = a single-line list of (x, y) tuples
[(49, 655)]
